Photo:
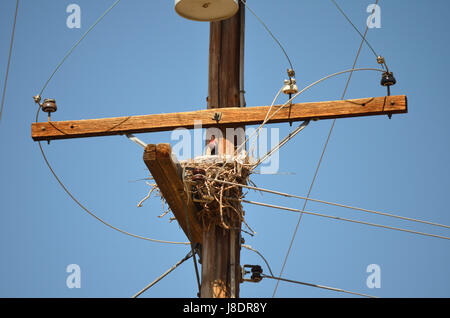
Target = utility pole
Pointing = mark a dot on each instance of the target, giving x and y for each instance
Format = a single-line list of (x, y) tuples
[(221, 271)]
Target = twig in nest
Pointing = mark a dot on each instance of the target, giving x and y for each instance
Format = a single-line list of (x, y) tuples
[(221, 209), (154, 186), (214, 199), (164, 213)]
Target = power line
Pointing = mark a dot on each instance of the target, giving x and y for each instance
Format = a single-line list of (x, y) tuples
[(317, 286), (342, 219), (260, 255), (354, 27), (190, 236), (95, 216), (9, 60), (282, 143), (297, 282), (76, 44), (188, 256), (280, 107), (355, 62), (51, 168), (251, 147), (290, 100), (332, 203), (304, 206), (91, 213), (270, 32), (320, 162)]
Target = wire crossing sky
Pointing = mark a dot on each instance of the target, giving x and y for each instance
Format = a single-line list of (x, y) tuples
[(5, 85), (128, 66)]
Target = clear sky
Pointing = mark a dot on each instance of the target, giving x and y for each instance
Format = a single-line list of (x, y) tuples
[(143, 58)]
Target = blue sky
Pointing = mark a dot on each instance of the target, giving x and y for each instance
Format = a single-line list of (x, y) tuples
[(143, 58)]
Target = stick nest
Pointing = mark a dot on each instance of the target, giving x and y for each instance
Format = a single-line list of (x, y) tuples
[(218, 203)]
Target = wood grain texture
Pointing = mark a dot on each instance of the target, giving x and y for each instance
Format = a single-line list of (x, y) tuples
[(219, 269), (158, 159), (231, 116)]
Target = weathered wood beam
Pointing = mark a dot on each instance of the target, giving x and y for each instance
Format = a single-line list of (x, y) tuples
[(221, 270), (158, 159), (231, 116)]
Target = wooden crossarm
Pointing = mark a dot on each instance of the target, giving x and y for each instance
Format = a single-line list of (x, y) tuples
[(230, 116), (158, 159)]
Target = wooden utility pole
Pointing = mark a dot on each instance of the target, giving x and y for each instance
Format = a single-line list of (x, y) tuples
[(221, 247)]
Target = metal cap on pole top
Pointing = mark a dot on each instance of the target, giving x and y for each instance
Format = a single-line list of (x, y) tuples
[(206, 10)]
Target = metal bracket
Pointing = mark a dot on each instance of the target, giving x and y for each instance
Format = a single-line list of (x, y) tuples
[(256, 272), (37, 99), (136, 140), (217, 116)]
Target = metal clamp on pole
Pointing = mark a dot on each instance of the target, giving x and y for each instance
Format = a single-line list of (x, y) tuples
[(136, 140), (48, 106), (256, 272)]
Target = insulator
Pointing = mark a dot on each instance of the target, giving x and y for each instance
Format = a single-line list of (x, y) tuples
[(290, 87), (256, 278), (388, 79), (49, 106), (256, 269)]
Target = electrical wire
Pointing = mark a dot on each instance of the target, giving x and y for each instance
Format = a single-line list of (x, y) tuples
[(281, 144), (87, 210), (290, 100), (297, 282), (268, 118), (270, 32), (188, 256), (280, 107), (341, 219), (260, 255), (188, 225), (76, 44), (317, 286), (354, 27), (51, 168), (9, 60), (356, 60), (320, 161), (331, 203), (265, 119), (95, 216)]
